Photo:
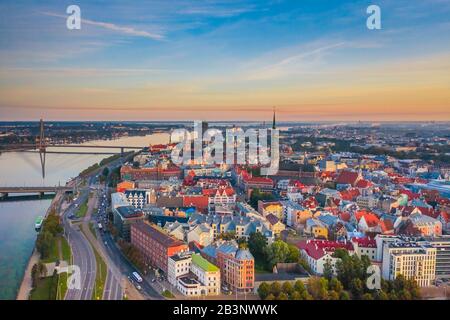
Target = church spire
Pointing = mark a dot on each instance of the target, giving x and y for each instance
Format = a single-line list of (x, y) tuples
[(273, 123)]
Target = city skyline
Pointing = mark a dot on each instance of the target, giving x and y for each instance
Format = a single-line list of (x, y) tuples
[(225, 60)]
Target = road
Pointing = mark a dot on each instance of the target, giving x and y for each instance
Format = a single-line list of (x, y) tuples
[(119, 268), (82, 254), (126, 268)]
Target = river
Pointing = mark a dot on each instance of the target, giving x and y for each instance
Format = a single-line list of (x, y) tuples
[(17, 235)]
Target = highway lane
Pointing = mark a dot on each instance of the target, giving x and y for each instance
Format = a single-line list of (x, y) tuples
[(82, 253), (118, 266), (126, 268)]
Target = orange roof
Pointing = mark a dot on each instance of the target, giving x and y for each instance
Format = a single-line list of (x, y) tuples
[(386, 225), (345, 216), (349, 194), (371, 219)]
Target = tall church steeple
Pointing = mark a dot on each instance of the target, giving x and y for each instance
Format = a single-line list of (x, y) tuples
[(273, 123)]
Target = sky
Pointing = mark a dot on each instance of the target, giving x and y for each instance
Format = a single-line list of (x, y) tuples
[(313, 60)]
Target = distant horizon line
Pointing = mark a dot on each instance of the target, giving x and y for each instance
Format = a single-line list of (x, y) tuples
[(233, 121)]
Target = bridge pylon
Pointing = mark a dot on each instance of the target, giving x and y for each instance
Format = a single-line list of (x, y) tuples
[(42, 147)]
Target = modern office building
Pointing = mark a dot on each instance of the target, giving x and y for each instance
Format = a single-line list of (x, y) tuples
[(442, 246), (413, 260)]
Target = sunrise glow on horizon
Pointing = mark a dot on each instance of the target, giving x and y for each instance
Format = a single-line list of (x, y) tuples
[(225, 60)]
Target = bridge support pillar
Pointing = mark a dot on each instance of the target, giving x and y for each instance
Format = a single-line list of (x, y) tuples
[(41, 194), (121, 152)]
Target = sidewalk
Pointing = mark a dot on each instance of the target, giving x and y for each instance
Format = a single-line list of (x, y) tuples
[(26, 285)]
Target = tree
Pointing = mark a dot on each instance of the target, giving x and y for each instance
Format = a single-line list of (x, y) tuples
[(41, 269), (34, 275), (404, 295), (105, 172), (328, 270), (318, 288), (275, 288), (257, 243), (381, 295), (306, 296), (357, 288), (264, 290), (282, 296), (242, 243), (277, 252), (227, 236), (296, 296), (294, 254), (333, 295), (336, 285), (258, 195), (299, 286), (367, 296), (287, 288), (344, 295), (44, 242), (270, 297)]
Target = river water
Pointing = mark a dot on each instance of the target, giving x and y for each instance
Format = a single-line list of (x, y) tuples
[(17, 235)]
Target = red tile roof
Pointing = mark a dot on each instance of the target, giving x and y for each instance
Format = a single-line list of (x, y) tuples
[(316, 249), (365, 242), (259, 180), (411, 195), (429, 212), (345, 216), (349, 194), (347, 177), (200, 202), (445, 216), (363, 184)]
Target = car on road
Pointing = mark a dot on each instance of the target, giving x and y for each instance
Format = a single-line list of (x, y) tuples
[(136, 276)]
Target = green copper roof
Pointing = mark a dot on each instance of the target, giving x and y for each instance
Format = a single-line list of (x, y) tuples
[(203, 263)]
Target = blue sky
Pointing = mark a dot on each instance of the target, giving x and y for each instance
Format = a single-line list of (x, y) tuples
[(221, 59)]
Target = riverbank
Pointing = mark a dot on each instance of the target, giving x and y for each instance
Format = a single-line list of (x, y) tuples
[(18, 217), (27, 283)]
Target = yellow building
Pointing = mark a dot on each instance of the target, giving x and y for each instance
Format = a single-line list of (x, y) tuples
[(275, 208), (275, 225), (320, 232)]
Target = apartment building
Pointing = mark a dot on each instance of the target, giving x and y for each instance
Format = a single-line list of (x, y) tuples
[(193, 275), (237, 266), (155, 245), (411, 259)]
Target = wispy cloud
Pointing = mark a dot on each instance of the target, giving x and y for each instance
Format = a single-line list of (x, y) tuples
[(293, 63), (215, 11), (114, 27)]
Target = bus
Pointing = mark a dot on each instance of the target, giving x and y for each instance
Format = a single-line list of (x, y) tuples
[(136, 276)]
